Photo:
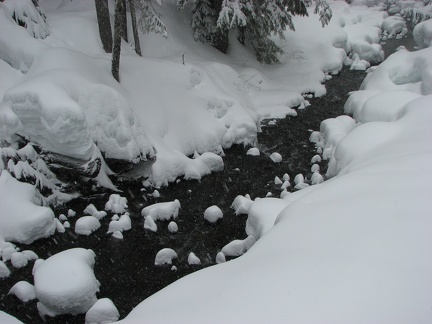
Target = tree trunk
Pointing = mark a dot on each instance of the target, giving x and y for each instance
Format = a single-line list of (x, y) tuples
[(118, 29), (104, 24), (135, 28), (124, 32)]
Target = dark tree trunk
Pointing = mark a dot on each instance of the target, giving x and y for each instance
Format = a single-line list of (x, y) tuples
[(135, 28), (118, 29), (220, 37), (124, 32), (104, 24)]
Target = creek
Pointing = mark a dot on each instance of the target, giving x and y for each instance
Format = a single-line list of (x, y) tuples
[(125, 268)]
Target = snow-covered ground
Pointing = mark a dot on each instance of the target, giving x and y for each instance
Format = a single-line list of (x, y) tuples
[(355, 248)]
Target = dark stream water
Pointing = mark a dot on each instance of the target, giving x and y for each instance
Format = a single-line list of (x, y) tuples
[(125, 268)]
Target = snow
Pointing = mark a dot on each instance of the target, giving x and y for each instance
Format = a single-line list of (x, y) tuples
[(193, 259), (212, 214), (358, 240), (18, 260), (102, 312), (253, 151), (65, 283), (22, 219), (241, 205), (172, 227), (4, 270), (276, 157), (238, 247), (124, 223), (86, 225), (162, 211), (354, 241), (91, 210), (117, 204), (8, 319), (23, 290), (165, 256), (422, 34)]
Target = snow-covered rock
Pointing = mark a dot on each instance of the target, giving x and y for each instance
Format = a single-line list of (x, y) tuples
[(241, 205), (253, 151), (86, 225), (92, 210), (162, 211), (117, 204), (165, 256), (422, 34), (220, 258), (23, 290), (172, 227), (4, 270), (124, 223), (276, 157), (212, 214), (18, 260), (193, 259), (102, 312), (149, 224), (22, 219), (65, 283)]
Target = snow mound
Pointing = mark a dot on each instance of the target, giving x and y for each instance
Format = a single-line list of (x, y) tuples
[(116, 204), (253, 151), (124, 223), (403, 71), (238, 247), (103, 311), (65, 283), (91, 210), (65, 108), (193, 259), (4, 270), (212, 214), (23, 290), (276, 157), (162, 211), (22, 219), (172, 227), (422, 34), (394, 25), (241, 205), (262, 215), (165, 257), (86, 225), (18, 260)]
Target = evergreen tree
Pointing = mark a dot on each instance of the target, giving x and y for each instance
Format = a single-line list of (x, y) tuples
[(150, 20), (104, 24), (254, 20)]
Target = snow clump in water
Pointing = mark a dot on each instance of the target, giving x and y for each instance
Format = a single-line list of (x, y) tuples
[(212, 214), (116, 204), (65, 283), (86, 225), (23, 290), (276, 157), (103, 311), (165, 256)]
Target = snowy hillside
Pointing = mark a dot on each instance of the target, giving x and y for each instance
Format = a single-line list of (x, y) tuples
[(355, 247)]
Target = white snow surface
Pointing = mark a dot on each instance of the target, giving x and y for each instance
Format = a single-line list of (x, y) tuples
[(65, 283), (8, 319)]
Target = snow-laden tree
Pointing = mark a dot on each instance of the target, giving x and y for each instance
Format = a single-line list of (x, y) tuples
[(29, 15), (150, 20), (254, 20)]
